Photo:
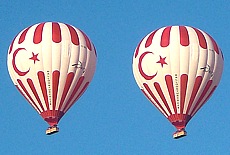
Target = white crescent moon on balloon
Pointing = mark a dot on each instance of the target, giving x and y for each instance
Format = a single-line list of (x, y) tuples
[(20, 73), (147, 77)]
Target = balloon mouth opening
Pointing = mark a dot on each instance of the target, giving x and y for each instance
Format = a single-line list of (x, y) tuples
[(52, 121), (52, 117), (179, 120), (179, 124)]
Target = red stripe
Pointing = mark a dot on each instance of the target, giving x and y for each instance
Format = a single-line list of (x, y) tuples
[(169, 83), (161, 94), (146, 95), (209, 95), (41, 78), (202, 40), (165, 38), (68, 82), (137, 49), (205, 91), (79, 95), (38, 33), (55, 83), (73, 34), (151, 100), (23, 35), (79, 82), (183, 88), (150, 38), (88, 44), (214, 45), (184, 37), (11, 45), (21, 92), (32, 87), (154, 98), (194, 92), (81, 92), (28, 95), (56, 33)]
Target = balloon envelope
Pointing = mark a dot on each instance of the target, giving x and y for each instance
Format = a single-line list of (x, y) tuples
[(51, 64), (178, 68)]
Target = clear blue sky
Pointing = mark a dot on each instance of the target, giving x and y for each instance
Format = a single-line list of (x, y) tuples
[(113, 117)]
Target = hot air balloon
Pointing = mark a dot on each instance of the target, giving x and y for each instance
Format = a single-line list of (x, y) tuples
[(178, 68), (51, 64)]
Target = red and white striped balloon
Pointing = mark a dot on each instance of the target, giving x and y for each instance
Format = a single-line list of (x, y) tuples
[(51, 64), (178, 68)]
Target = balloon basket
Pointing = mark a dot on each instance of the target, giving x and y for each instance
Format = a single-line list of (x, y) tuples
[(179, 134), (51, 130)]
